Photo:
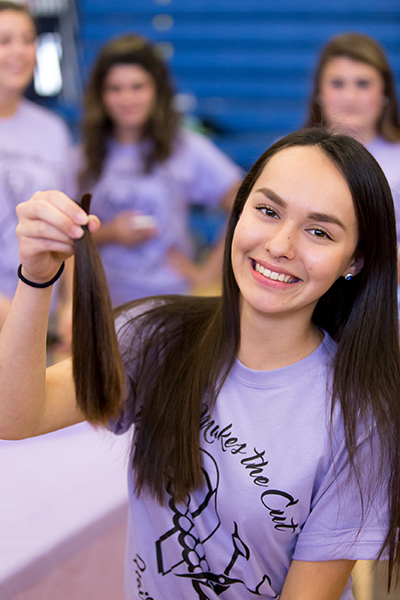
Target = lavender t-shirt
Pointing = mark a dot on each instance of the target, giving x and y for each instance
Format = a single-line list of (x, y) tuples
[(276, 488), (33, 157), (196, 173), (388, 156)]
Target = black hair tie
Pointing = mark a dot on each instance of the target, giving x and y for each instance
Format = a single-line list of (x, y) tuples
[(41, 285)]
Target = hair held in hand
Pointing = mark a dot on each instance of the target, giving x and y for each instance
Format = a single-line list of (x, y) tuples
[(96, 360)]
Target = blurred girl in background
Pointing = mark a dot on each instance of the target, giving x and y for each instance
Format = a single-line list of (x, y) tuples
[(354, 93), (144, 171), (33, 141)]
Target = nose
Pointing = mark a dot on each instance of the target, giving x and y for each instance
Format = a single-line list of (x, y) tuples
[(282, 242), (349, 92)]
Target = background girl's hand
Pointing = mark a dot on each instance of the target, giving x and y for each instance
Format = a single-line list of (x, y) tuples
[(48, 224), (204, 277), (182, 264), (126, 229)]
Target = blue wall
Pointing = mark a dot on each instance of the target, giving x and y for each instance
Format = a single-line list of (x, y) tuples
[(245, 65)]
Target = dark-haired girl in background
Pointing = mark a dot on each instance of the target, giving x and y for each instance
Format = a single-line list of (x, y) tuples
[(265, 452), (145, 172), (33, 141)]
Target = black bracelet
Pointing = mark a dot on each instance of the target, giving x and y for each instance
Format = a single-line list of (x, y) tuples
[(41, 285)]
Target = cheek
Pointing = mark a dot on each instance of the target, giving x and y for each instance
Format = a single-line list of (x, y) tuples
[(374, 103), (331, 104), (318, 271), (149, 101), (323, 267), (32, 55), (106, 101), (235, 247), (329, 95), (239, 246), (110, 104), (244, 237)]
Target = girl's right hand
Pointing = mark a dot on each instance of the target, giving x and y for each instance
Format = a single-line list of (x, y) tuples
[(48, 225)]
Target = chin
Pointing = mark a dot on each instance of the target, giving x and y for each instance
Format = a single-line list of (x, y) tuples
[(20, 84), (350, 126)]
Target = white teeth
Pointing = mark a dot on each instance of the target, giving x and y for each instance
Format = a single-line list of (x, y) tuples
[(273, 275)]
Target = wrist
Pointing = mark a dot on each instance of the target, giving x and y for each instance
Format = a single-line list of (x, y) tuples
[(42, 284)]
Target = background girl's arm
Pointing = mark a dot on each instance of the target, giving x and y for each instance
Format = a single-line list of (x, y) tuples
[(323, 580), (31, 402), (210, 270)]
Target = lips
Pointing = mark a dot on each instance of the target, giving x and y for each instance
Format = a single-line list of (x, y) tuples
[(274, 275)]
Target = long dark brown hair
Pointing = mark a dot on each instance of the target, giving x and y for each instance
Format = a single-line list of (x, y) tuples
[(97, 127), (182, 348), (360, 48), (96, 360)]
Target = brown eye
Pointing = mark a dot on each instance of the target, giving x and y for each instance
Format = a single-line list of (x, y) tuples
[(267, 211), (337, 83), (363, 84), (320, 233)]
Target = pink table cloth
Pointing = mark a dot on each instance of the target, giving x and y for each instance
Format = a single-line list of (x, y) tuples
[(57, 493)]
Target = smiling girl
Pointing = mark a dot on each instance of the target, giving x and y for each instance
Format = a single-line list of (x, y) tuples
[(33, 141), (265, 450)]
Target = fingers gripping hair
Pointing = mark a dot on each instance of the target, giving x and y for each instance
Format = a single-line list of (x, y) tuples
[(96, 361)]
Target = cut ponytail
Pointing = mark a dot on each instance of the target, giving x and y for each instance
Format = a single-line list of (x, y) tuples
[(96, 361)]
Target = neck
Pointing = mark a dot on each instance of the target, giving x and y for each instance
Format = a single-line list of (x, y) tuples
[(9, 103), (362, 135), (126, 135), (267, 343)]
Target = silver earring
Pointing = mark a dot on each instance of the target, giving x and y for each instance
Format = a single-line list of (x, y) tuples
[(348, 276)]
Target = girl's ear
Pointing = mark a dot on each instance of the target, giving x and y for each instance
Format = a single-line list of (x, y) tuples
[(356, 266)]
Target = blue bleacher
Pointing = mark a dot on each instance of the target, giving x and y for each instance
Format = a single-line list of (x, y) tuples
[(241, 6), (247, 64)]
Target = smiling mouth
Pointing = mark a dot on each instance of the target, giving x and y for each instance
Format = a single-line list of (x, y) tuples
[(268, 274)]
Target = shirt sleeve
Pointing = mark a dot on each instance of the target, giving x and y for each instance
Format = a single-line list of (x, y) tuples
[(74, 162), (212, 173), (62, 140), (349, 514)]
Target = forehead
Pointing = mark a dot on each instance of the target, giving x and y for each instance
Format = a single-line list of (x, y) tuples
[(12, 19), (343, 65), (121, 72), (307, 176)]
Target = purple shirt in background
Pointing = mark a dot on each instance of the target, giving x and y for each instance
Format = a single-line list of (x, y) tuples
[(33, 157), (388, 156), (196, 173)]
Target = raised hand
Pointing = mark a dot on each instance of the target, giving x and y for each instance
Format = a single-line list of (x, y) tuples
[(48, 225)]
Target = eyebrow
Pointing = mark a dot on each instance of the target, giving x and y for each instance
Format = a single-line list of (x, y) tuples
[(322, 217)]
